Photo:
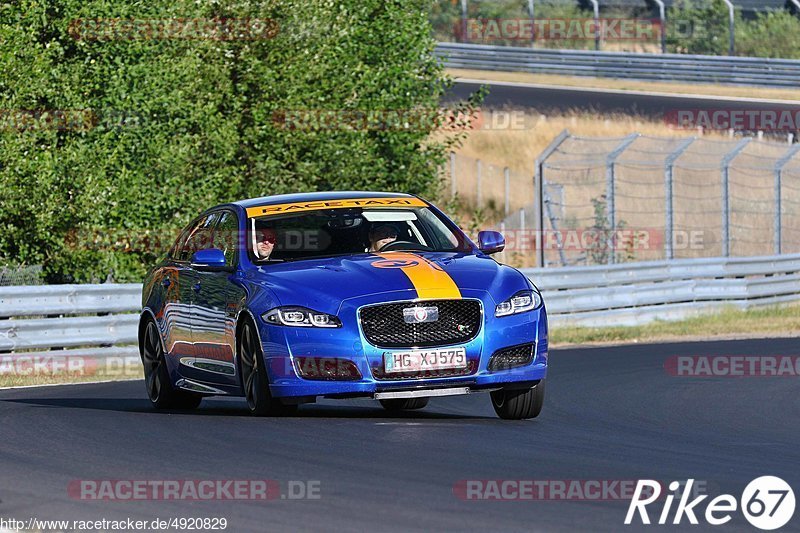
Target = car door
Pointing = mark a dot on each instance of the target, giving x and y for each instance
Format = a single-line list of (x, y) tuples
[(176, 279), (216, 304), (185, 315)]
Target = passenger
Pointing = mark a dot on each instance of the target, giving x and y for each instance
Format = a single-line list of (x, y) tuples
[(380, 236)]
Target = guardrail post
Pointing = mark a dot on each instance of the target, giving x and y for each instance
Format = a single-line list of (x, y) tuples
[(662, 16), (610, 192), (782, 162), (726, 199), (464, 29), (731, 24), (478, 198), (453, 182), (532, 13), (538, 188), (669, 165), (507, 176), (596, 9)]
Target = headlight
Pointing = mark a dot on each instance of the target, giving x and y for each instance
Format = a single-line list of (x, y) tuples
[(300, 317), (519, 303)]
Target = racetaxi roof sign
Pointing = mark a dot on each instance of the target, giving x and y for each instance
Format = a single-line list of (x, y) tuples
[(281, 209)]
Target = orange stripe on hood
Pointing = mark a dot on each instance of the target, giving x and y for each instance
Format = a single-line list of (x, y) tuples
[(429, 279)]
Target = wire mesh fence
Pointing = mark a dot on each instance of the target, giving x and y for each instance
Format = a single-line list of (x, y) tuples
[(21, 275), (639, 198)]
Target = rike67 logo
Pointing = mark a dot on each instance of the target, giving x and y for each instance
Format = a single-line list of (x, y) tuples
[(767, 503)]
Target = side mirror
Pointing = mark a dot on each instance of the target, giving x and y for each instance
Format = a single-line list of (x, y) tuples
[(491, 242), (210, 260)]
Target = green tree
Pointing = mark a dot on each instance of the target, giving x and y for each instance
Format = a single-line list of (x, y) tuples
[(197, 124), (698, 27)]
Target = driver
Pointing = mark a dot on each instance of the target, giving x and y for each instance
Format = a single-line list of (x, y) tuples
[(380, 236), (265, 242)]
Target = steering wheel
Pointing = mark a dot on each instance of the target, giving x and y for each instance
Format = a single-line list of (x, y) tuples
[(404, 245)]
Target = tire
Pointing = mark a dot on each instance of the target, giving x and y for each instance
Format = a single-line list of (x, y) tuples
[(519, 404), (255, 382), (156, 376), (404, 404)]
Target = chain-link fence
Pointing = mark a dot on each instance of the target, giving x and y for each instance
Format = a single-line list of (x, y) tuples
[(21, 275), (495, 191), (638, 198)]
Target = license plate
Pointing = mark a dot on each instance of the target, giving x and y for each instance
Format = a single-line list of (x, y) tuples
[(422, 360)]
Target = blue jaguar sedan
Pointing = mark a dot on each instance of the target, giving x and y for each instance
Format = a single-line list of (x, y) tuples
[(286, 299)]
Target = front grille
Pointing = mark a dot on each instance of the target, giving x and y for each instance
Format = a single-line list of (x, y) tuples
[(511, 357), (384, 326)]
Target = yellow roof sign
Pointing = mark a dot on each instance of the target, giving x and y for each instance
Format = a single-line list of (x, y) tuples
[(295, 207)]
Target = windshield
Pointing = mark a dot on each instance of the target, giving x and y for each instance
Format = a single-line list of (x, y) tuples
[(352, 231)]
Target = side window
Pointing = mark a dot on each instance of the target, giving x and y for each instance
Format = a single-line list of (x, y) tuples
[(226, 236), (175, 251), (199, 238)]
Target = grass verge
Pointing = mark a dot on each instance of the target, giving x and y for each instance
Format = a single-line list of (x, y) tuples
[(9, 380), (781, 321)]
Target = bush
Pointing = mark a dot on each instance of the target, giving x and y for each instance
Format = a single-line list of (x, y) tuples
[(176, 125), (770, 34), (703, 28)]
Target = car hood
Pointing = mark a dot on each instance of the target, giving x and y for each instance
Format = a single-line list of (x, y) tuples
[(324, 284)]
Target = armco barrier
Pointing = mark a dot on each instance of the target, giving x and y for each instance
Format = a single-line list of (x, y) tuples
[(637, 293), (81, 320), (100, 320), (754, 71)]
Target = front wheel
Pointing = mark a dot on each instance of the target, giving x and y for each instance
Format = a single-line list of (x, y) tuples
[(156, 376), (519, 404), (255, 381), (404, 404)]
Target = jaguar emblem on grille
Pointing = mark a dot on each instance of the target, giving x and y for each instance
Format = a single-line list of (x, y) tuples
[(419, 315)]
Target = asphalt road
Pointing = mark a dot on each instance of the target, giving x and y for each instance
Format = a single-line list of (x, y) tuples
[(611, 414), (550, 100)]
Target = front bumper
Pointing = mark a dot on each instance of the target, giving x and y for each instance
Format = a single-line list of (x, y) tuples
[(283, 344)]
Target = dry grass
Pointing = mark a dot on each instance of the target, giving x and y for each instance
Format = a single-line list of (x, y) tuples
[(518, 148), (629, 85), (7, 380)]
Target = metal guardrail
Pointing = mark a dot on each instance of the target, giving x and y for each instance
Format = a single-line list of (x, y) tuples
[(762, 72), (638, 293), (622, 294), (100, 320)]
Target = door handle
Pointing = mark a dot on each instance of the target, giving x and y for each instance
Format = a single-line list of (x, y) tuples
[(196, 287), (165, 282)]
